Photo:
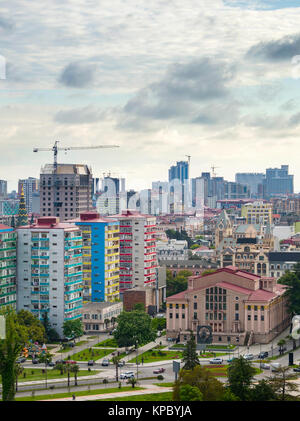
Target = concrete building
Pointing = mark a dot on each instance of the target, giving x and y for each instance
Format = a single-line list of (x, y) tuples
[(3, 188), (172, 250), (30, 187), (98, 317), (278, 181), (8, 282), (101, 257), (280, 262), (137, 249), (257, 213), (66, 193), (254, 181), (49, 270), (195, 266), (241, 308), (180, 171)]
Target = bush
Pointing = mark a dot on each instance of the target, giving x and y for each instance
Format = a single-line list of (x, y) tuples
[(160, 377), (105, 381)]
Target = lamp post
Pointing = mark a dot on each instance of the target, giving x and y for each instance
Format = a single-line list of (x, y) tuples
[(137, 373)]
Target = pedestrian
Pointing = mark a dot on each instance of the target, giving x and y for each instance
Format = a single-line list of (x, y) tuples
[(74, 397)]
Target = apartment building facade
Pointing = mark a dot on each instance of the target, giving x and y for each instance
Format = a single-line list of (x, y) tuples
[(49, 270), (257, 213), (101, 256), (8, 282)]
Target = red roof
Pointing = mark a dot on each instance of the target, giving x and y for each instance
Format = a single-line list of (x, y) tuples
[(179, 296), (234, 270)]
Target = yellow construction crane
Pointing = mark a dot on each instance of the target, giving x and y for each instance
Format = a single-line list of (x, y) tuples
[(55, 149)]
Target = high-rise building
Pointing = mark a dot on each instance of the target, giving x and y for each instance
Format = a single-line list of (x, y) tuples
[(8, 282), (3, 188), (49, 267), (180, 171), (67, 192), (22, 212), (254, 181), (138, 259), (257, 213), (30, 186), (108, 202), (278, 181), (101, 244)]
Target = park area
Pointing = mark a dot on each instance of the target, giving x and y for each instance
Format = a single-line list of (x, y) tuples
[(33, 374), (91, 354)]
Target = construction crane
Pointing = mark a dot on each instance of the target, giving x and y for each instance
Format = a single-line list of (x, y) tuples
[(213, 170), (189, 158), (55, 149)]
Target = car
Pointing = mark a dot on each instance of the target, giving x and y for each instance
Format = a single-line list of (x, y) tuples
[(60, 362), (231, 359), (21, 360), (35, 361), (171, 339), (248, 356), (265, 366), (105, 362), (127, 375), (70, 362), (159, 370), (51, 364), (297, 369), (216, 360), (121, 363), (275, 366), (263, 355), (91, 362)]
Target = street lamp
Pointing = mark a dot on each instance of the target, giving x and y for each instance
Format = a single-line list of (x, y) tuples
[(136, 344)]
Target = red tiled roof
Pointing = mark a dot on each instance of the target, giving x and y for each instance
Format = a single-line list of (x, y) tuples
[(179, 296), (261, 295), (235, 271)]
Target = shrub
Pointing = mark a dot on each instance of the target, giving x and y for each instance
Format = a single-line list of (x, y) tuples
[(160, 377), (105, 381)]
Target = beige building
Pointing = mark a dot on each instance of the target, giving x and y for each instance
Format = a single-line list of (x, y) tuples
[(257, 213), (241, 308), (98, 317)]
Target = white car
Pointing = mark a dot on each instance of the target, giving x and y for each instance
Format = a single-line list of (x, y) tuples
[(127, 375), (216, 360), (248, 356)]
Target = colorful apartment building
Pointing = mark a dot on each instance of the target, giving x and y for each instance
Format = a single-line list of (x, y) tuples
[(257, 213), (101, 244), (7, 267), (239, 307), (138, 261), (49, 268)]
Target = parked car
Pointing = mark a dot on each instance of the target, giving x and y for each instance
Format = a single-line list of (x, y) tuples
[(159, 370), (21, 360), (51, 364), (60, 362), (297, 369), (127, 375), (265, 366), (105, 362), (121, 363), (263, 355), (248, 357), (70, 362), (216, 360), (171, 339), (275, 366), (35, 361), (91, 362)]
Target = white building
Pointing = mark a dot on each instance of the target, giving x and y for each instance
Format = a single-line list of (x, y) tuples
[(49, 270), (172, 250), (138, 259)]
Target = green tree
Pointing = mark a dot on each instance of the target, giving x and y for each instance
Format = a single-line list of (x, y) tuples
[(75, 369), (262, 391), (190, 393), (292, 280), (10, 349), (51, 333), (200, 377), (34, 327), (179, 283), (132, 381), (194, 246), (139, 307), (189, 356), (281, 344), (18, 371), (133, 326), (158, 323), (106, 323), (281, 383), (61, 367), (73, 328), (116, 359), (240, 375)]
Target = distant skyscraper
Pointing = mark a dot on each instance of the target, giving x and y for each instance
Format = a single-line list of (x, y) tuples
[(278, 181), (3, 188), (67, 192), (253, 180), (179, 171), (30, 186), (22, 214)]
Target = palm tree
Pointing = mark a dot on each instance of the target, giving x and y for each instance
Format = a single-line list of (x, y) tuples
[(115, 360), (61, 367), (75, 368), (132, 381), (18, 370), (281, 343)]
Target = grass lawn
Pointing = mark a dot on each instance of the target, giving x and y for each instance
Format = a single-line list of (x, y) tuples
[(94, 354), (108, 342), (164, 384), (51, 374), (80, 343), (81, 393), (91, 337), (151, 356), (165, 396)]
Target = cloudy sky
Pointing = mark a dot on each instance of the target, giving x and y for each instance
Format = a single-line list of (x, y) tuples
[(215, 79)]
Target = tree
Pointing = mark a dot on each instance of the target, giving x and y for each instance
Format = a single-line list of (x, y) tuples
[(200, 377), (73, 328), (190, 357), (116, 360), (262, 391), (190, 393), (106, 323), (34, 327), (18, 370), (158, 323), (139, 307), (132, 381), (179, 283), (10, 349), (61, 367), (75, 369), (281, 344), (133, 326), (281, 383), (51, 333), (292, 280), (194, 246), (240, 375), (113, 321)]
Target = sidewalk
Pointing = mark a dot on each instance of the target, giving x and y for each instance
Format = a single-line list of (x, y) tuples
[(148, 389)]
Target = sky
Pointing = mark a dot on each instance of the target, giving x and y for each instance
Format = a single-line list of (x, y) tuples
[(218, 80)]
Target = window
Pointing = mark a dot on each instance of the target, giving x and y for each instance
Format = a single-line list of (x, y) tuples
[(236, 316), (237, 307), (248, 308), (183, 315), (171, 315), (262, 318), (177, 316), (171, 305), (195, 316), (183, 306), (255, 308), (255, 317), (249, 317), (195, 306), (177, 305)]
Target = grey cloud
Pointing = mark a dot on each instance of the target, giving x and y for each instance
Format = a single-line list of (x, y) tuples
[(6, 24), (219, 114), (85, 115), (78, 75), (276, 50)]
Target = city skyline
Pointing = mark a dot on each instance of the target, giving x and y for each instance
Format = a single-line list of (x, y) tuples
[(214, 80)]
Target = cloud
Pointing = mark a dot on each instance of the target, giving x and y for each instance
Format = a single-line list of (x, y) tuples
[(277, 50), (6, 24), (78, 75), (85, 115)]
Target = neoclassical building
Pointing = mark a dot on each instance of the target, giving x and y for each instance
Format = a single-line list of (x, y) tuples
[(241, 308)]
